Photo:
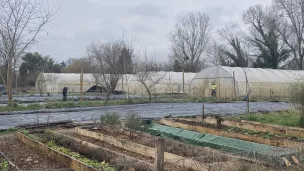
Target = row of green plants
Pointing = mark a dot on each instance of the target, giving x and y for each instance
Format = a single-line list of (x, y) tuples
[(70, 104), (267, 134), (102, 166), (285, 118), (48, 140)]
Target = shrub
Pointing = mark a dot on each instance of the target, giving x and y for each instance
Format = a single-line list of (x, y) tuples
[(297, 98), (134, 122), (111, 120)]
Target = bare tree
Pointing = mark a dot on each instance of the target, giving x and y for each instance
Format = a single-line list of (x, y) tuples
[(105, 58), (189, 39), (44, 80), (74, 65), (20, 23), (147, 71), (291, 27), (248, 90), (234, 53), (271, 50)]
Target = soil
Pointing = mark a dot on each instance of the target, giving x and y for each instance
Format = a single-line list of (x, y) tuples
[(25, 157), (242, 131), (168, 166)]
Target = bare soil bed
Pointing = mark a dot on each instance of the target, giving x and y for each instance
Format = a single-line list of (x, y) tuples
[(243, 131), (25, 157), (204, 155), (71, 133)]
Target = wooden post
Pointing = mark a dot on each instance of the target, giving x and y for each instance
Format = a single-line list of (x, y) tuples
[(81, 84), (159, 155), (203, 114), (234, 85)]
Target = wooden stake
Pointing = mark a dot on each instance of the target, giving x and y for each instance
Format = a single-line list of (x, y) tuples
[(159, 155), (203, 114), (81, 84)]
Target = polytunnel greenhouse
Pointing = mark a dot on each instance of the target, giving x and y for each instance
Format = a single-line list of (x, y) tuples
[(231, 82), (169, 82), (55, 82)]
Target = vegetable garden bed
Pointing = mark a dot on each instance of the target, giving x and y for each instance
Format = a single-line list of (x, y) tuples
[(257, 126), (266, 138), (25, 157), (204, 157)]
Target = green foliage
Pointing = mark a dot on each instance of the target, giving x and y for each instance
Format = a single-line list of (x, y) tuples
[(112, 121), (297, 98), (134, 122), (4, 165), (285, 118), (93, 163), (26, 132), (34, 106)]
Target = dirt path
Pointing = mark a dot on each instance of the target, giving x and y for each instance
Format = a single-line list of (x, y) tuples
[(25, 157)]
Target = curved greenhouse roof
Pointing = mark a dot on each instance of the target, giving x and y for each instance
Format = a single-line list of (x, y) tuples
[(253, 74), (231, 81)]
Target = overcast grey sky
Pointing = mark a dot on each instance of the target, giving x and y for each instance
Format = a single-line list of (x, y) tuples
[(147, 23)]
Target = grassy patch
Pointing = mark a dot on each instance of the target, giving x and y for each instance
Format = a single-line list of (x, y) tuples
[(9, 130), (71, 104), (286, 118)]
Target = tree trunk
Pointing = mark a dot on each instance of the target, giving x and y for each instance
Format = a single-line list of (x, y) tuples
[(108, 96), (301, 123), (148, 90), (150, 96), (9, 82)]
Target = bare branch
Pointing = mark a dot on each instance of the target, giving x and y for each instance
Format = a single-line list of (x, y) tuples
[(148, 72), (189, 39), (20, 23)]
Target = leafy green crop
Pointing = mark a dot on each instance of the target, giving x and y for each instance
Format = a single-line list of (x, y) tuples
[(4, 166), (93, 163)]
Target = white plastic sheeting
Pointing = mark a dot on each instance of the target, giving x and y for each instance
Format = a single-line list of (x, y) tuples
[(170, 82), (261, 82), (55, 82)]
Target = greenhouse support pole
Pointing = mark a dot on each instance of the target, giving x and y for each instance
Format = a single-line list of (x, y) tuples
[(234, 91), (81, 84)]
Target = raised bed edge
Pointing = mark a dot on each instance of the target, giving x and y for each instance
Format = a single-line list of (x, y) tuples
[(201, 129), (55, 155), (149, 151), (150, 166)]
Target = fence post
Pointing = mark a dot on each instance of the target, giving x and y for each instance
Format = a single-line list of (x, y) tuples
[(234, 88), (159, 155), (81, 84), (203, 114)]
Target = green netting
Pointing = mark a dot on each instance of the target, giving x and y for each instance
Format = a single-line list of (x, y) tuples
[(244, 148)]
